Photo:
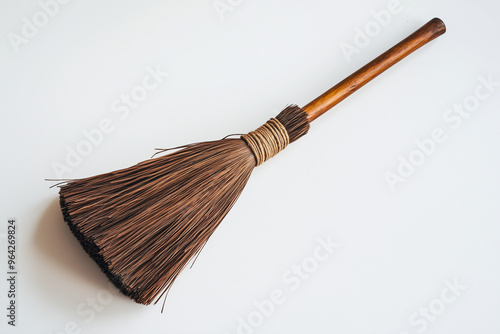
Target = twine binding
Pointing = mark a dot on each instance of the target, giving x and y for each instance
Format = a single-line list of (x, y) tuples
[(267, 141)]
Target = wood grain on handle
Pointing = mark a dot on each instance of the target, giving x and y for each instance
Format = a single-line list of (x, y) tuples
[(433, 29)]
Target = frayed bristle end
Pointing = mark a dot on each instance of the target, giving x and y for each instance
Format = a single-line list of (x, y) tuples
[(295, 120)]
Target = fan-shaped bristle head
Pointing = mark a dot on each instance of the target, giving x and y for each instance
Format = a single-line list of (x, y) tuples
[(143, 224)]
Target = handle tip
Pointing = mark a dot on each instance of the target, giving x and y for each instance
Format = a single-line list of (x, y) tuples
[(438, 25)]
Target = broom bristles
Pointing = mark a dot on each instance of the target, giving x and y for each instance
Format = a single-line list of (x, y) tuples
[(143, 224)]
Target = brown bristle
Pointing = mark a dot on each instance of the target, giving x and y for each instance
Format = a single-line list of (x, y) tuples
[(143, 224), (295, 121)]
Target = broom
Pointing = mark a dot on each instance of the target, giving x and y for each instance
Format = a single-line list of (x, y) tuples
[(142, 225)]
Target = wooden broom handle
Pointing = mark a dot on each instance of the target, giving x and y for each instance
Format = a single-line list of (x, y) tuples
[(431, 30)]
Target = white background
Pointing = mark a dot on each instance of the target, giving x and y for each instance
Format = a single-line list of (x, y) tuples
[(397, 247)]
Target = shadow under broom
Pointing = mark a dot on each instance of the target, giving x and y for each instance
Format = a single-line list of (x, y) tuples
[(143, 224)]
